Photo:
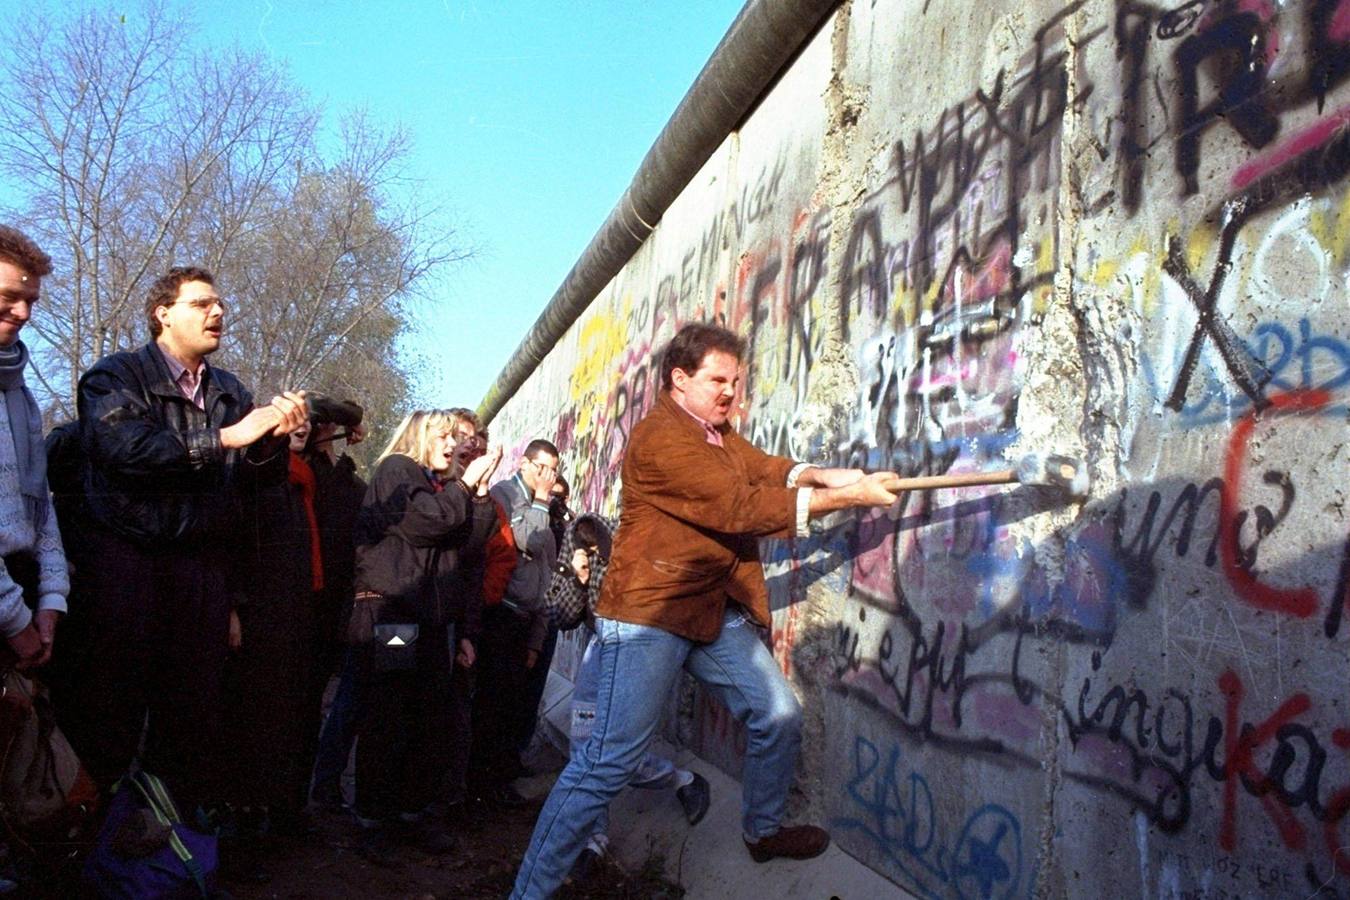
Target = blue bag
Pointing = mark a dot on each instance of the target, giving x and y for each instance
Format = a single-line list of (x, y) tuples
[(171, 860)]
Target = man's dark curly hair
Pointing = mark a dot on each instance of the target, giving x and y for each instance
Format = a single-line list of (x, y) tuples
[(693, 342), (165, 290), (19, 249)]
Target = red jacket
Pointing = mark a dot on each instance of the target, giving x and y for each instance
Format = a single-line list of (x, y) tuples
[(500, 553)]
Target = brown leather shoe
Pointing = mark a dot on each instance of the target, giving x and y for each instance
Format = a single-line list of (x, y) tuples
[(796, 842)]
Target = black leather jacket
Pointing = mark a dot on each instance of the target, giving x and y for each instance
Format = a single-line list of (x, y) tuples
[(154, 468), (423, 549)]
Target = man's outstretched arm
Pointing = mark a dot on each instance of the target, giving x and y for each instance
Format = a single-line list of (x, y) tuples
[(835, 489)]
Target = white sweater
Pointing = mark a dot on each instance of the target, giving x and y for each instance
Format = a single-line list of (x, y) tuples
[(17, 533)]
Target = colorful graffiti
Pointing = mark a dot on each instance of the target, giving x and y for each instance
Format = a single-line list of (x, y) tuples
[(1133, 236)]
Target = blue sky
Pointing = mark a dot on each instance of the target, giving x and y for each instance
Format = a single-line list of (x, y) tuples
[(529, 120)]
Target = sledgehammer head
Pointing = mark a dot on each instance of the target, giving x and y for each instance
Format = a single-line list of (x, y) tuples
[(1063, 472)]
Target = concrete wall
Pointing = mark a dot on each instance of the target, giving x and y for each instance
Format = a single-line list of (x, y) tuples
[(955, 233)]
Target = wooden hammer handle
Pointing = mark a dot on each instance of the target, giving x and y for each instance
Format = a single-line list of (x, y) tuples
[(928, 482)]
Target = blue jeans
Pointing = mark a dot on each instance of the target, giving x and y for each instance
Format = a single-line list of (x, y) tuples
[(638, 668), (654, 773)]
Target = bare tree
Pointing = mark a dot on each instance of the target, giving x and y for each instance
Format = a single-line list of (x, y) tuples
[(132, 155)]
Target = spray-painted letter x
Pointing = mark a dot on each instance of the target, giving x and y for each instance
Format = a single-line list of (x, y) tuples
[(1248, 373)]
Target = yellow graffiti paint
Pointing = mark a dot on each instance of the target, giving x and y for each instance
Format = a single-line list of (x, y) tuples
[(1150, 288), (904, 305), (1045, 264), (930, 300), (1338, 239), (1320, 227), (1104, 273), (1199, 244), (601, 341)]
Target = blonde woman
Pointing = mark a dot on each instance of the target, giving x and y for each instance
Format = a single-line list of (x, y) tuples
[(419, 541)]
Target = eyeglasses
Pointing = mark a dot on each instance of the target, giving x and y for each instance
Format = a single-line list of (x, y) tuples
[(541, 467), (202, 304)]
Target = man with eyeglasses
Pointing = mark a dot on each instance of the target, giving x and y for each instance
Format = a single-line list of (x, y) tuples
[(169, 444), (514, 631)]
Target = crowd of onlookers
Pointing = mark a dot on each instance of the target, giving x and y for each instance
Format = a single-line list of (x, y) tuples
[(205, 566)]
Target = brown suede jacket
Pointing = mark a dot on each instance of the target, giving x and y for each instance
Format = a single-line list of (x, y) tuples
[(689, 527)]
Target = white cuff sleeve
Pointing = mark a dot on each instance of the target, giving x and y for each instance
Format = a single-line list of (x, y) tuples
[(796, 473), (804, 512), (19, 621), (52, 601)]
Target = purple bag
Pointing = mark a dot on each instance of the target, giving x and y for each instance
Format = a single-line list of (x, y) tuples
[(145, 851)]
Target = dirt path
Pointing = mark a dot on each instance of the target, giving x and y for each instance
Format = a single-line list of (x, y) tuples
[(331, 866)]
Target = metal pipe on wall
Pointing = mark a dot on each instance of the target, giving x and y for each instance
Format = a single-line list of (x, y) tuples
[(760, 42)]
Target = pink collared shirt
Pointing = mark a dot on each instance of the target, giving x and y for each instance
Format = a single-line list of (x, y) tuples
[(714, 437), (189, 383), (710, 432)]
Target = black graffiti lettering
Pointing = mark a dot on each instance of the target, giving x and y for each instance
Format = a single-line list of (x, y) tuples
[(1132, 51), (712, 242), (1235, 49), (806, 274), (641, 391), (1249, 374), (1177, 22), (1117, 705), (1266, 521), (1023, 688), (1284, 766), (1321, 885), (618, 413), (847, 645), (1185, 730), (1328, 58), (864, 285), (762, 286), (1340, 597), (1148, 537), (1294, 773), (667, 291)]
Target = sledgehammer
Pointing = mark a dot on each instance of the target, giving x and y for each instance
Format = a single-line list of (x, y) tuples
[(1062, 472)]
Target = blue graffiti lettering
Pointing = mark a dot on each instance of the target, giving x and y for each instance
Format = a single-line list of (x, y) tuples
[(1303, 361), (898, 816)]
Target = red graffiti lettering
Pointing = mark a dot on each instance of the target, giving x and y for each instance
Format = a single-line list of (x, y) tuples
[(1238, 751), (1300, 602), (1337, 810)]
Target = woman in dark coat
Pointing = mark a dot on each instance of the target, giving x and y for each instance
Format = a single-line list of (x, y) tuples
[(271, 713), (337, 503), (419, 542)]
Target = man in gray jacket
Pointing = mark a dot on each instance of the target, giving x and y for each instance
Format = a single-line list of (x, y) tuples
[(514, 631), (34, 580)]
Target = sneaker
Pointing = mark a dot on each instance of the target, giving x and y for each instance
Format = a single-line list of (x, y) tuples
[(694, 798), (796, 842)]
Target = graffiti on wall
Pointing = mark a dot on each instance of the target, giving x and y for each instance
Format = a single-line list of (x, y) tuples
[(1181, 647), (952, 615)]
